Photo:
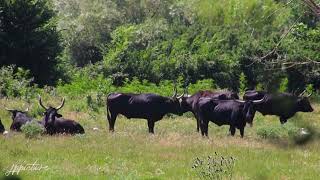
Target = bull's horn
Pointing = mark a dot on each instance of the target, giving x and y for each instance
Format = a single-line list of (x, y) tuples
[(309, 95), (185, 92), (240, 101), (180, 96), (294, 92), (259, 101), (301, 94), (40, 102), (62, 104), (8, 109)]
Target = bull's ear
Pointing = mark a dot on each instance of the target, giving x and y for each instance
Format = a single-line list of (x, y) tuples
[(58, 115), (222, 96)]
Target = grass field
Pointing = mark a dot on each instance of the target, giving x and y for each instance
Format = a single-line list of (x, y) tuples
[(131, 153)]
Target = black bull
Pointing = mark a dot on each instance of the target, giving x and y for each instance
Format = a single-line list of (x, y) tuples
[(19, 118), (145, 106), (283, 105), (235, 113), (188, 103), (61, 125), (54, 123)]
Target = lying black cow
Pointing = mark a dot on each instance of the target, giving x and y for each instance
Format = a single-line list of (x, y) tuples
[(145, 106), (19, 118), (53, 125), (235, 113), (283, 105), (188, 103), (2, 129)]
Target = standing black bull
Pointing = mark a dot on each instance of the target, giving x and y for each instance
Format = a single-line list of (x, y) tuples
[(188, 103), (19, 118), (145, 106), (1, 127), (283, 105), (235, 113), (55, 124)]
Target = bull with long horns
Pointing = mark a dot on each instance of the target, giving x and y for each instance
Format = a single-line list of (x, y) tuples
[(283, 105), (55, 124)]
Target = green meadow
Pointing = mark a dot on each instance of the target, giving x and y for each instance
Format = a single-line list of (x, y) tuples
[(268, 150)]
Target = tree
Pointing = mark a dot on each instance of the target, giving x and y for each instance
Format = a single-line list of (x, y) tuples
[(28, 38), (86, 26)]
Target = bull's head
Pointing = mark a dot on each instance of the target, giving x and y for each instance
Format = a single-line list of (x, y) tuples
[(248, 109), (303, 103), (15, 112), (178, 101), (51, 113), (234, 95), (185, 101)]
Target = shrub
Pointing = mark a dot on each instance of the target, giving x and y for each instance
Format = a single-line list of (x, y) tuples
[(32, 129), (276, 131), (84, 84), (214, 167), (243, 83), (14, 82)]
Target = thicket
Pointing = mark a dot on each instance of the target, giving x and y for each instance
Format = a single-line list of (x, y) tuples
[(29, 38), (110, 45)]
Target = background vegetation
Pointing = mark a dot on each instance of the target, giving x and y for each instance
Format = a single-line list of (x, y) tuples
[(61, 41)]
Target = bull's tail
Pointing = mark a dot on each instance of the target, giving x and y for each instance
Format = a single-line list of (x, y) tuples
[(108, 110)]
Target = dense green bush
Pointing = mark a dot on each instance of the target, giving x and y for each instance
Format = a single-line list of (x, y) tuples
[(32, 129), (277, 132), (107, 44), (29, 38), (97, 86), (16, 82)]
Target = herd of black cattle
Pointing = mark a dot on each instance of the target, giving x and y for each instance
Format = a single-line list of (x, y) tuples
[(221, 108)]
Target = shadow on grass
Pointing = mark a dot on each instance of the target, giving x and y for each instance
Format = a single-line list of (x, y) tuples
[(296, 133), (10, 177)]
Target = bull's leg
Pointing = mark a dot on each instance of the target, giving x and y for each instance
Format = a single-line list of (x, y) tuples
[(198, 121), (232, 130), (204, 128), (242, 131), (198, 124), (151, 126), (112, 121)]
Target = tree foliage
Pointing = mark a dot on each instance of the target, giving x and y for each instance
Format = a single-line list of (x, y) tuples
[(28, 38), (157, 40)]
